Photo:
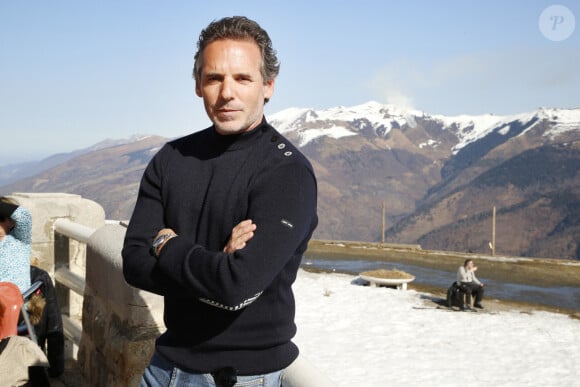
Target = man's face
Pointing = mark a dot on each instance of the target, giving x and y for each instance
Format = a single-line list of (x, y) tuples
[(231, 85)]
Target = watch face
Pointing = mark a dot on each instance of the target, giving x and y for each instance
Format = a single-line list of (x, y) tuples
[(162, 239), (159, 240)]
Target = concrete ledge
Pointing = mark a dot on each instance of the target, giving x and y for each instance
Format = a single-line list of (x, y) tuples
[(105, 279)]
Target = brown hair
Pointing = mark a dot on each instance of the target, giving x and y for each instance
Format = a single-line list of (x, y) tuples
[(7, 200), (239, 28)]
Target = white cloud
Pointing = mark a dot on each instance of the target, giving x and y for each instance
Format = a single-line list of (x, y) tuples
[(501, 82), (399, 99)]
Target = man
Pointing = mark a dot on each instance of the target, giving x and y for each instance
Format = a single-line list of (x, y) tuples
[(469, 283), (222, 219)]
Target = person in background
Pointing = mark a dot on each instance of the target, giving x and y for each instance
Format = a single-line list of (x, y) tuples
[(22, 363), (15, 244), (221, 221), (467, 280)]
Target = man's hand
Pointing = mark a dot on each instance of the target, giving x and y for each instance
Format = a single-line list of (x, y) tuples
[(241, 233)]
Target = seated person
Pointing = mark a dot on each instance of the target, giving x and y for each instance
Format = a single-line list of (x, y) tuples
[(470, 284), (15, 244), (22, 363)]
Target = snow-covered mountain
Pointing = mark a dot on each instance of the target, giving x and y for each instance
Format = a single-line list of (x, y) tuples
[(338, 122), (438, 176)]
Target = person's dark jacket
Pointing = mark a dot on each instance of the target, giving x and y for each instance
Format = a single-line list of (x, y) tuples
[(49, 331)]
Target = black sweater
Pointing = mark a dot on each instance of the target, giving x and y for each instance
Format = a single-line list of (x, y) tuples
[(224, 309)]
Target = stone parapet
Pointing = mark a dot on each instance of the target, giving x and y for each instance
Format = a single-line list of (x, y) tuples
[(120, 323), (45, 209)]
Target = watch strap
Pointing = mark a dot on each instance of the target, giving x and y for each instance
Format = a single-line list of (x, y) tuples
[(160, 240)]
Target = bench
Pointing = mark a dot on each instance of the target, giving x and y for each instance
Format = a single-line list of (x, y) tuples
[(399, 283)]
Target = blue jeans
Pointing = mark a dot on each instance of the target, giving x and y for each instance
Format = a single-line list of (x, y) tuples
[(162, 373)]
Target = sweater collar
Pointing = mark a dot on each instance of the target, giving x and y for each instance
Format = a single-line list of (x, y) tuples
[(233, 142)]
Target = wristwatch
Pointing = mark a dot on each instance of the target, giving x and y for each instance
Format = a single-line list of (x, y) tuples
[(159, 241)]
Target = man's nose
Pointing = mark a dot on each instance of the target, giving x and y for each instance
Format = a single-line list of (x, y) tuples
[(227, 91)]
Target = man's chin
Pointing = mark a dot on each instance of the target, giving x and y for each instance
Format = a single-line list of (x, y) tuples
[(225, 131), (228, 128)]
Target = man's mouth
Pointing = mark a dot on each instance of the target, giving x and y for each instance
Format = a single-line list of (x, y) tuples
[(227, 109)]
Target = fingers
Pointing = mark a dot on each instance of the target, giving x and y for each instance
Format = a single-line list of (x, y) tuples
[(242, 228), (234, 245), (244, 231), (241, 233)]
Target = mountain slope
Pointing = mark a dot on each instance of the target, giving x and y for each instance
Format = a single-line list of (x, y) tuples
[(537, 194), (109, 176), (14, 172), (438, 176)]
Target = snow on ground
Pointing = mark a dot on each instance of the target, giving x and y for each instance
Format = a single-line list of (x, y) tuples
[(376, 337)]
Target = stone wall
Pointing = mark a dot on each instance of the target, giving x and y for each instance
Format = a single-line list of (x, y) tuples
[(120, 323), (45, 209)]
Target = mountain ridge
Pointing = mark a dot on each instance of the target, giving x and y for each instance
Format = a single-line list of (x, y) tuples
[(438, 176)]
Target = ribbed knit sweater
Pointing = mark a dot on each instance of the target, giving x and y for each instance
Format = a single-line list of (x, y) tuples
[(221, 309)]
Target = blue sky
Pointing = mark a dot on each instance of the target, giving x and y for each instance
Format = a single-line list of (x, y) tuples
[(73, 73)]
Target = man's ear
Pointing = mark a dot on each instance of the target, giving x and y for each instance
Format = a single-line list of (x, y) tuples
[(198, 89), (269, 89)]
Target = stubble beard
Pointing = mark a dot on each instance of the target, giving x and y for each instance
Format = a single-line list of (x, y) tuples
[(230, 127)]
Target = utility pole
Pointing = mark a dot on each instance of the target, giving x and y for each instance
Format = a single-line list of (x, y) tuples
[(493, 233), (383, 226)]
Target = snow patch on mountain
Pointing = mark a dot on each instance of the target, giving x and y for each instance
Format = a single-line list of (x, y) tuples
[(289, 119), (114, 142), (332, 122), (564, 120), (431, 143), (154, 150), (470, 128), (334, 132), (340, 121)]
